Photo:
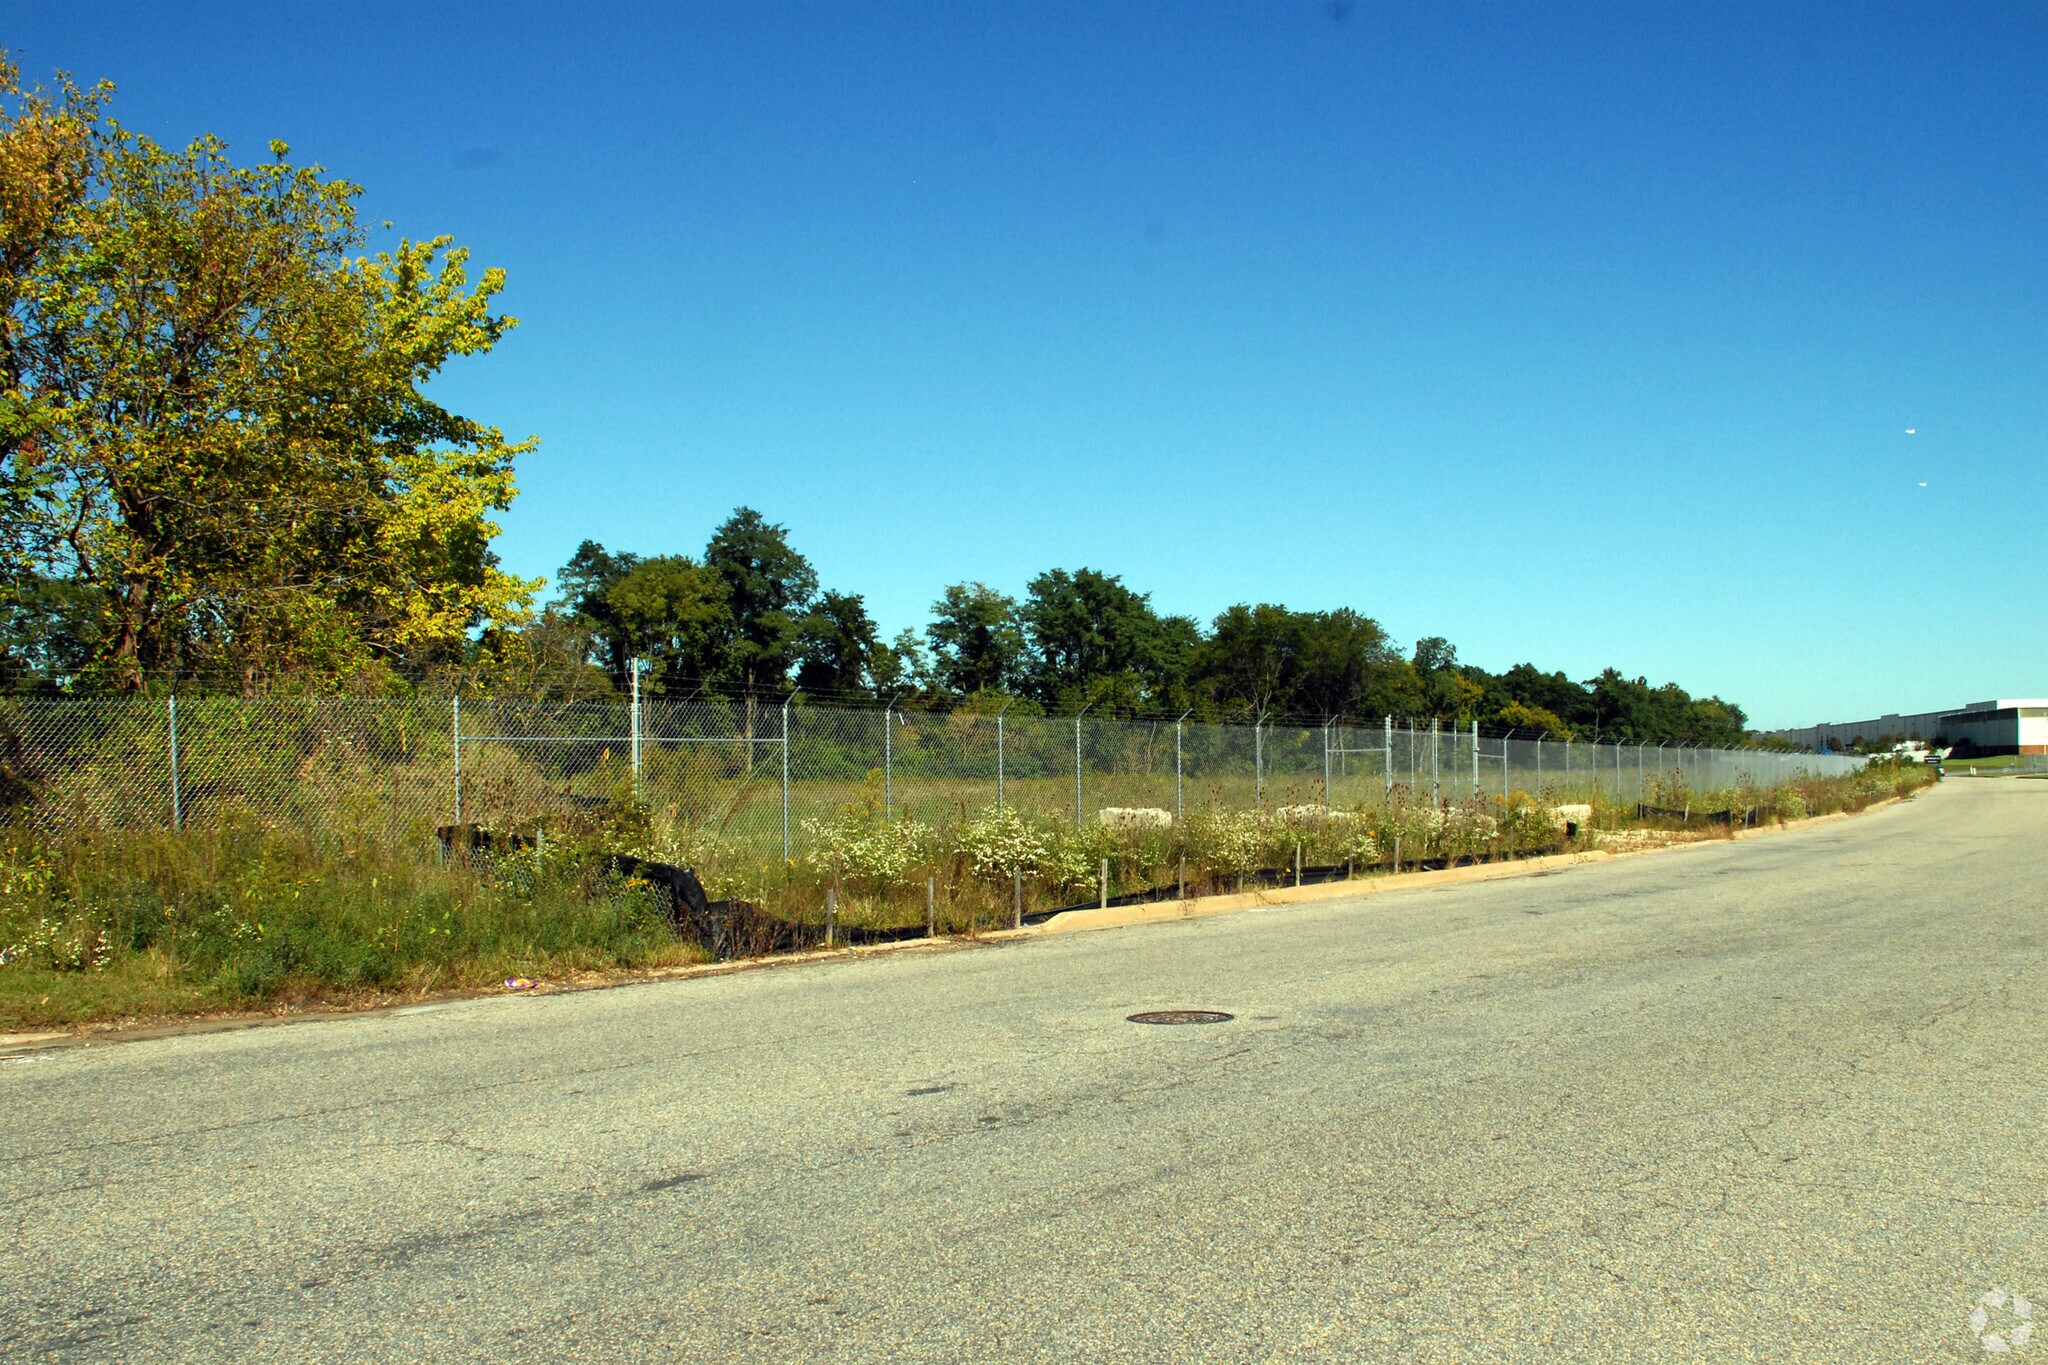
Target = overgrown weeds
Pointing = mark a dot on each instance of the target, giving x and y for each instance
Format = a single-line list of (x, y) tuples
[(248, 914)]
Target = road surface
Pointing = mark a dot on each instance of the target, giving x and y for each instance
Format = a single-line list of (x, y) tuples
[(1781, 1099)]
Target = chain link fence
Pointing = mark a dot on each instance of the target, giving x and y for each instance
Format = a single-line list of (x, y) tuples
[(757, 773)]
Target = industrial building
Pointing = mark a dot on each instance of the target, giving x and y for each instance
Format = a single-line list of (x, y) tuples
[(2007, 725)]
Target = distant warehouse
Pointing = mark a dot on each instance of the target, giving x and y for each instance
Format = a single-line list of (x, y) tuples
[(2005, 726), (1998, 727)]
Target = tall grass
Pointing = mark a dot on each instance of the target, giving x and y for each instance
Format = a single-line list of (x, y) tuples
[(250, 913), (240, 915)]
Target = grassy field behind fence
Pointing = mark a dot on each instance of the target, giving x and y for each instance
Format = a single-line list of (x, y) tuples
[(165, 855)]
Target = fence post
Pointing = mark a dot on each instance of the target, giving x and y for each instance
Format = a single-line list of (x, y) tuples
[(1102, 886), (785, 776), (831, 915), (1017, 899), (1506, 740), (1326, 764), (636, 730), (1539, 762), (888, 758), (1259, 762), (1433, 783), (1387, 733), (457, 706), (1475, 760), (931, 907), (177, 796)]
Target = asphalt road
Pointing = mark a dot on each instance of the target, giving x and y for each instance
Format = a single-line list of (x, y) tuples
[(1782, 1099)]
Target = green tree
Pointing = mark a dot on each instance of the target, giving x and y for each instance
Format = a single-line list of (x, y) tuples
[(837, 645), (546, 659), (1526, 719), (1087, 625), (584, 585), (977, 640), (1248, 664), (48, 629), (771, 588), (1552, 692), (902, 667), (214, 418), (672, 612), (1448, 693)]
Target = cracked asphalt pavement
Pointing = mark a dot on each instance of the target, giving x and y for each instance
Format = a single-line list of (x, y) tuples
[(1778, 1099)]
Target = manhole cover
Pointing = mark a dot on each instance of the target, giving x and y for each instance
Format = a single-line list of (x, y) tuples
[(1181, 1017)]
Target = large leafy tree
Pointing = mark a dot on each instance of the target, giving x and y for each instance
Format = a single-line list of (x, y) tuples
[(668, 611), (584, 585), (1552, 692), (1267, 659), (1094, 640), (771, 588), (977, 640), (838, 643), (214, 420), (1448, 691), (671, 612)]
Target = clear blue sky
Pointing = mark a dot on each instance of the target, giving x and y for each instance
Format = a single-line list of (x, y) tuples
[(1578, 334)]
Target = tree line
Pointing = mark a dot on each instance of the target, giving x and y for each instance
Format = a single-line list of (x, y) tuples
[(748, 615), (219, 464)]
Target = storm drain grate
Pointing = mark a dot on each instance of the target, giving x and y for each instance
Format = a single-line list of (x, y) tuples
[(1180, 1017)]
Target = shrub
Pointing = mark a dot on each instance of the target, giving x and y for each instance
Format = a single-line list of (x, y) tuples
[(1000, 844), (859, 846)]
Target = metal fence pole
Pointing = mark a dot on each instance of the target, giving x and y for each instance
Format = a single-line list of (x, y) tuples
[(1506, 740), (1475, 760), (1434, 785), (1326, 765), (636, 729), (457, 706), (785, 775), (177, 796), (888, 758), (1259, 763), (1539, 762), (1387, 733)]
